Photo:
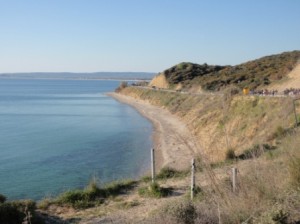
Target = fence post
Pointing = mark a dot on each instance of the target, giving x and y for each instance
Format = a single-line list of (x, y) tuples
[(153, 165), (219, 214), (234, 179), (193, 179), (296, 119)]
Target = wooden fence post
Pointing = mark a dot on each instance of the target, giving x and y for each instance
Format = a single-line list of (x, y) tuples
[(219, 214), (234, 179), (153, 165), (193, 179), (296, 119)]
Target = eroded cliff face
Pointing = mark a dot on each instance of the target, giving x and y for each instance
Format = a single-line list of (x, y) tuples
[(160, 81), (220, 122)]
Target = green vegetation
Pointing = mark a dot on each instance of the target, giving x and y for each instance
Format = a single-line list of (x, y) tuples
[(16, 212), (187, 71), (121, 86), (167, 173), (294, 170), (127, 204), (2, 198), (154, 191), (256, 151), (253, 74), (230, 154), (93, 195), (281, 132), (181, 212)]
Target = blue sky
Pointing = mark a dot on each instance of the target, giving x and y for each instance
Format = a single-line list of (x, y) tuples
[(142, 35)]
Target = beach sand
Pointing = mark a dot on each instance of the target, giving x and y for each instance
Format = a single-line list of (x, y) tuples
[(174, 144)]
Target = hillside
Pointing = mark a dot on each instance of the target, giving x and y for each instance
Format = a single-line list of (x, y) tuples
[(256, 74), (222, 122)]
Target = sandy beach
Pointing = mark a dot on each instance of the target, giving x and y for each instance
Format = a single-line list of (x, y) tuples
[(173, 142)]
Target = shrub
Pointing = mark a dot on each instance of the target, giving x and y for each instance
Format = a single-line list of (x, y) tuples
[(127, 204), (294, 170), (93, 195), (70, 197), (168, 172), (2, 198), (230, 154), (44, 204), (275, 215), (146, 178), (119, 187), (13, 212), (122, 85), (154, 191), (182, 212), (198, 193), (256, 151), (279, 131), (10, 214)]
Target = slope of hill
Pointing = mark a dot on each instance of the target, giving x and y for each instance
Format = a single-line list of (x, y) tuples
[(292, 80), (256, 74), (221, 121)]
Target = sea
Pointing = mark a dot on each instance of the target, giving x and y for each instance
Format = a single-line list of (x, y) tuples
[(57, 135)]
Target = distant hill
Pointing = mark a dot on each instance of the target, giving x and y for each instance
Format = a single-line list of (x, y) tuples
[(69, 75), (254, 74)]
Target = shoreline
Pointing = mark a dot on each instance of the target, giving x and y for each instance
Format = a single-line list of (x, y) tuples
[(172, 141)]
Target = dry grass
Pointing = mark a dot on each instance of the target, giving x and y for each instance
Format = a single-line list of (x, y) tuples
[(268, 191), (268, 182)]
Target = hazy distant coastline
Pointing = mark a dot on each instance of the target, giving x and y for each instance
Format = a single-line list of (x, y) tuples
[(81, 76)]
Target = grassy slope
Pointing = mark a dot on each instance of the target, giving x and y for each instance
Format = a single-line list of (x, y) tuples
[(221, 122)]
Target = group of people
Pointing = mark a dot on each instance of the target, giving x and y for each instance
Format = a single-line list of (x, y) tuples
[(291, 91), (264, 92)]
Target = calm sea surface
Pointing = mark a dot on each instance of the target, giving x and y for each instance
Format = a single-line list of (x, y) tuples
[(56, 135)]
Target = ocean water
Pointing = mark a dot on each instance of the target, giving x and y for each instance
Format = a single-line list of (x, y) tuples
[(56, 135)]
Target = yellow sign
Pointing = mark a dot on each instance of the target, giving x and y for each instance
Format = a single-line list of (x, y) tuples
[(246, 91)]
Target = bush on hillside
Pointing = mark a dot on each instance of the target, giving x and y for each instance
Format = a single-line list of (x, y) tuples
[(253, 74), (230, 154), (154, 191), (93, 195), (181, 212), (15, 212), (294, 170), (168, 172), (122, 85), (2, 198)]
